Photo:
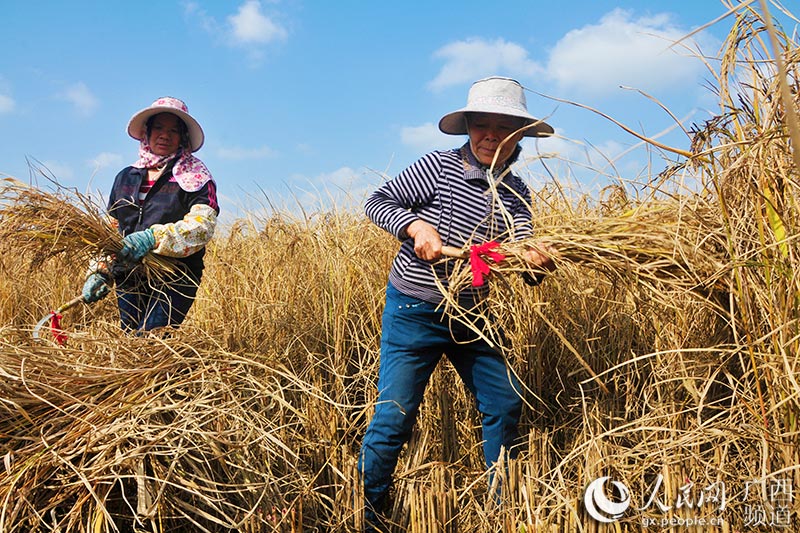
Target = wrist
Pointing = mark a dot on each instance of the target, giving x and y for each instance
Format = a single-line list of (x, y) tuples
[(415, 227), (100, 267)]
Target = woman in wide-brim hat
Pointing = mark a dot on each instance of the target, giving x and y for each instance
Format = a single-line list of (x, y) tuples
[(164, 203), (445, 198)]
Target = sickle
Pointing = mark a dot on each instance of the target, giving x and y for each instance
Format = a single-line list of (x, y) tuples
[(48, 318)]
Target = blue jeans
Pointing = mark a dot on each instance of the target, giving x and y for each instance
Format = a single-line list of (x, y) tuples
[(415, 335), (144, 306)]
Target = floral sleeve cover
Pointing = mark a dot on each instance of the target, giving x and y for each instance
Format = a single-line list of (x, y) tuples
[(186, 236)]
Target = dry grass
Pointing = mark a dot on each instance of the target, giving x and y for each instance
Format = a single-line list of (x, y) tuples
[(658, 249), (39, 224), (665, 345)]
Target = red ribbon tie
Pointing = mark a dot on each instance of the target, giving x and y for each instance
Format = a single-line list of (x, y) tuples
[(478, 265)]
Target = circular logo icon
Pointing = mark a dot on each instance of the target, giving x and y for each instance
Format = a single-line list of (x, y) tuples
[(600, 507)]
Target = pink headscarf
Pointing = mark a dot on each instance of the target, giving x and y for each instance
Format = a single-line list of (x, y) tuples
[(190, 173)]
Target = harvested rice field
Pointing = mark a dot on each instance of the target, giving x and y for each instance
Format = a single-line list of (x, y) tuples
[(660, 360)]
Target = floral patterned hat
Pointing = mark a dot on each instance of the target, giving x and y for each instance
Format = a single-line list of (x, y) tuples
[(167, 104)]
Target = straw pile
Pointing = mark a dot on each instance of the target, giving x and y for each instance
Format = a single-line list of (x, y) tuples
[(104, 431)]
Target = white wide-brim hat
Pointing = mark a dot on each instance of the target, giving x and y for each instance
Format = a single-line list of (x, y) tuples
[(498, 95), (137, 127)]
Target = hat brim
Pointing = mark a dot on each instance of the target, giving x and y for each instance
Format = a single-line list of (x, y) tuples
[(455, 123), (137, 126)]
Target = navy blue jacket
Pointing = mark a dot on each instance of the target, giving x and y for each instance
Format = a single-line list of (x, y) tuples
[(166, 202)]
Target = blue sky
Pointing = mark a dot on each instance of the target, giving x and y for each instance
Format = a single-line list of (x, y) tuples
[(304, 101)]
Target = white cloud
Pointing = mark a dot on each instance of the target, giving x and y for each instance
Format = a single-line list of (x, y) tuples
[(305, 149), (207, 22), (572, 150), (342, 188), (106, 160), (579, 164), (425, 138), (60, 171), (238, 153), (343, 177), (7, 104), (472, 59), (80, 97), (251, 26), (556, 144), (622, 50)]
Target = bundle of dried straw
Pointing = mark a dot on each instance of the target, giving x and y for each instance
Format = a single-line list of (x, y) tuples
[(660, 247), (39, 225)]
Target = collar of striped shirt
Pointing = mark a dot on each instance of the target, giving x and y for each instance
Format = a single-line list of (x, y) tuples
[(474, 169)]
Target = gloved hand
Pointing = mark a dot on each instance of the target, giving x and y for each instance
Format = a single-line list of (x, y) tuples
[(96, 287), (136, 246)]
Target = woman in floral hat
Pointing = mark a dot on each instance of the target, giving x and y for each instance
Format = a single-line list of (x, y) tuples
[(165, 204)]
